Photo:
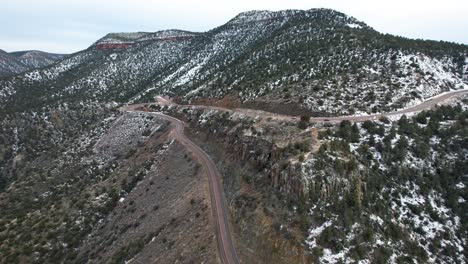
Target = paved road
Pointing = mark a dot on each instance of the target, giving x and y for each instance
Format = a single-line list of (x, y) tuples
[(218, 204)]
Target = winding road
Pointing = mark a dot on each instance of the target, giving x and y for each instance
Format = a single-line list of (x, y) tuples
[(218, 204), (426, 104), (226, 248)]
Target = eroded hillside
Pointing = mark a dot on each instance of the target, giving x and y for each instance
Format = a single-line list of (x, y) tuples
[(321, 60), (82, 180), (116, 189), (373, 191), (18, 62)]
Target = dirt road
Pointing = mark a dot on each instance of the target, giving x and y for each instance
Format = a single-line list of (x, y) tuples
[(226, 248), (218, 204), (427, 104)]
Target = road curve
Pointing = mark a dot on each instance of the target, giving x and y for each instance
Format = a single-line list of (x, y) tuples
[(226, 248), (427, 104)]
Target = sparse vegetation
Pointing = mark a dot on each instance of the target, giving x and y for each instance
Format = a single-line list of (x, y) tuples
[(82, 182)]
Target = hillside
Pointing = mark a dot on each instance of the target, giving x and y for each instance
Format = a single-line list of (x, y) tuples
[(319, 60), (373, 191), (37, 59), (18, 62), (9, 64), (89, 175)]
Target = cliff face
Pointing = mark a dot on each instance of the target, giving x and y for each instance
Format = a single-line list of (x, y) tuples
[(257, 189), (379, 186), (234, 134), (274, 156)]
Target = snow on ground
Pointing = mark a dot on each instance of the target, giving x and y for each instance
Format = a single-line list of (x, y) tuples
[(190, 74), (329, 257), (353, 25), (376, 219), (315, 232), (7, 90)]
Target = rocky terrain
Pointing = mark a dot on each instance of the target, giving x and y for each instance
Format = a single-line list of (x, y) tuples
[(319, 59), (10, 64), (116, 188), (18, 62), (374, 191), (82, 181)]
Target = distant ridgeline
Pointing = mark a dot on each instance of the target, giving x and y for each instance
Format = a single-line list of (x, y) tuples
[(320, 61), (125, 40)]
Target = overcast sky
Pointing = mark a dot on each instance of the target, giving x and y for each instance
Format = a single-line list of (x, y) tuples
[(66, 26)]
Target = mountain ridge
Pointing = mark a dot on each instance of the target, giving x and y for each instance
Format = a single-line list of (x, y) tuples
[(88, 174), (17, 62), (261, 55)]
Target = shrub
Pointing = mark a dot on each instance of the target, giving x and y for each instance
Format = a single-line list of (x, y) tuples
[(305, 118), (368, 234), (317, 252), (348, 132), (401, 149), (369, 126), (303, 146), (146, 133), (324, 134), (381, 255), (301, 158), (128, 251), (394, 231), (303, 124), (330, 238), (384, 120)]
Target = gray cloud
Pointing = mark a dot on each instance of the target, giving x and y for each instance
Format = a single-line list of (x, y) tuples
[(69, 26)]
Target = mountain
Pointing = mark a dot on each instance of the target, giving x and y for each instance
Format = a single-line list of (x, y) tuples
[(37, 59), (10, 65), (17, 62), (84, 179), (301, 58)]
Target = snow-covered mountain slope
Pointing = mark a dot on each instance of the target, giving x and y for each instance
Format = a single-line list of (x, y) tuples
[(10, 65), (319, 59), (37, 59), (137, 37), (74, 169), (21, 61), (382, 191)]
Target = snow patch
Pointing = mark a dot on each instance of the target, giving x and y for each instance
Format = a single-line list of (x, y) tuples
[(315, 232), (353, 25)]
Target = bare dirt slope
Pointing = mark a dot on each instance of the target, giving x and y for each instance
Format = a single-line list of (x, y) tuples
[(165, 218), (226, 248)]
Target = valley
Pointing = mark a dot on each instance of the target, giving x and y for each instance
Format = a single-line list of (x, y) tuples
[(294, 136)]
